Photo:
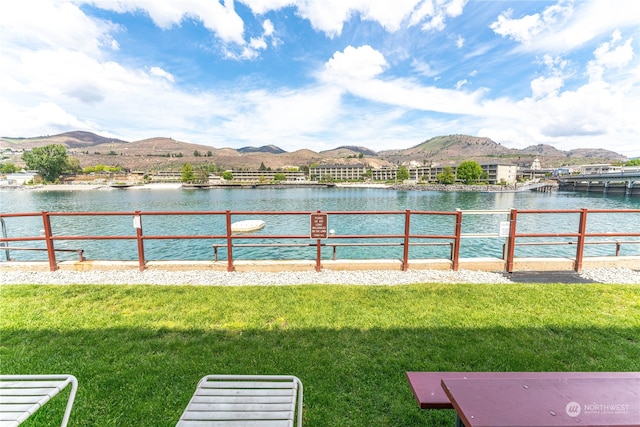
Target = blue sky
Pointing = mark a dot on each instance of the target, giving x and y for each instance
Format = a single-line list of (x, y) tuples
[(326, 73)]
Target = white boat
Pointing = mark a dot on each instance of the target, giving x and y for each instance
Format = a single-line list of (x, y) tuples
[(247, 226)]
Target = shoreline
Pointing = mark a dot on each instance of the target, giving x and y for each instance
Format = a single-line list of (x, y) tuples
[(91, 187), (484, 188)]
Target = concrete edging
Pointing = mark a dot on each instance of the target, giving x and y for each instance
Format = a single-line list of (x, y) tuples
[(472, 264)]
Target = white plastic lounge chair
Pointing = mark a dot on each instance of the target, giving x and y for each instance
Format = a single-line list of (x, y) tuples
[(22, 395), (245, 400)]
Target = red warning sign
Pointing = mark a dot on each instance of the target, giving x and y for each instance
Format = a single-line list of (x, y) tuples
[(319, 225)]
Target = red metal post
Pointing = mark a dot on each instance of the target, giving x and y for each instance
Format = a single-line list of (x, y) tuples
[(319, 252), (48, 235), (137, 224), (511, 240), (229, 243), (407, 229), (582, 227), (455, 256), (319, 255)]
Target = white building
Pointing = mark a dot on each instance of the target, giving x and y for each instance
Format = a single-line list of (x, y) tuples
[(598, 169), (19, 178)]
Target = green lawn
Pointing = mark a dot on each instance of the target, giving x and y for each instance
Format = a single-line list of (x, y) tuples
[(139, 351)]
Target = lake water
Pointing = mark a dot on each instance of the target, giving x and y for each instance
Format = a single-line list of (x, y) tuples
[(307, 200)]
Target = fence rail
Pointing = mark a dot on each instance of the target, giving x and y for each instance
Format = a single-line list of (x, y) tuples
[(230, 241)]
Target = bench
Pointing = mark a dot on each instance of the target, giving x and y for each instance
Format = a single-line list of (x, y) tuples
[(428, 391)]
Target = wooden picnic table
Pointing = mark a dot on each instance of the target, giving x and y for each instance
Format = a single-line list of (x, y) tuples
[(545, 402), (427, 387)]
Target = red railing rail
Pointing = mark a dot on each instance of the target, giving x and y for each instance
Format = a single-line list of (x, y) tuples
[(406, 239), (581, 235)]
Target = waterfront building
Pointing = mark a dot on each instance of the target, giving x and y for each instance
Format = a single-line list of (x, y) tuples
[(385, 174), (337, 172), (500, 173), (265, 176), (598, 169)]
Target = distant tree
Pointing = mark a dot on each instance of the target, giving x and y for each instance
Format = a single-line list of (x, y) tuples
[(446, 177), (227, 175), (9, 168), (279, 177), (403, 173), (187, 174), (209, 153), (49, 161), (202, 174), (262, 167), (196, 153), (73, 165), (111, 153), (361, 156), (633, 162), (469, 172)]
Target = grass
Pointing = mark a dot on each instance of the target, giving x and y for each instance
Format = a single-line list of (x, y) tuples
[(139, 351)]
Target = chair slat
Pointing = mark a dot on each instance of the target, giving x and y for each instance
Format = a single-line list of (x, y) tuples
[(194, 406), (245, 384), (238, 423), (243, 399), (30, 384), (6, 400), (237, 415), (241, 392)]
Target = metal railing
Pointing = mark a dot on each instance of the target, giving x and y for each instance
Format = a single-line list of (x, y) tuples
[(226, 239)]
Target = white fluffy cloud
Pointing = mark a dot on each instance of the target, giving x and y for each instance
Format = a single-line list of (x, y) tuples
[(361, 63), (544, 86), (329, 16), (524, 29), (567, 25), (41, 24), (610, 55), (221, 19), (358, 71), (433, 14)]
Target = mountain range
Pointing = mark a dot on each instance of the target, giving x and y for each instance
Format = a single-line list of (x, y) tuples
[(161, 153)]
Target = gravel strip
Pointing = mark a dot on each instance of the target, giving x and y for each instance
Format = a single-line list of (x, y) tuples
[(612, 275), (215, 278)]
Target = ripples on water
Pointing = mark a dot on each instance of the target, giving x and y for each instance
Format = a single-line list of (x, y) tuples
[(307, 200)]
